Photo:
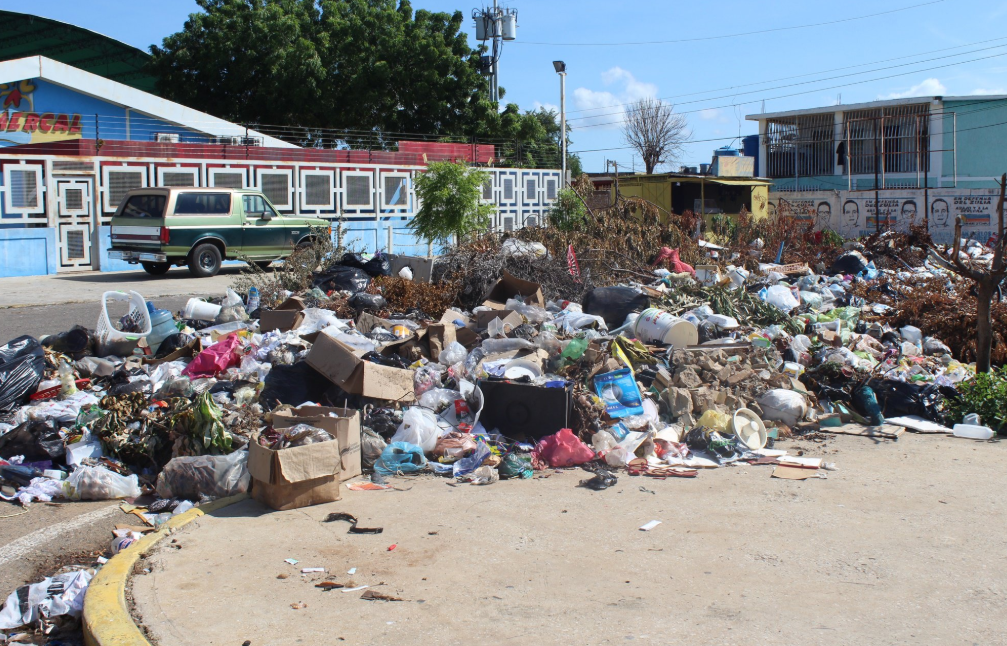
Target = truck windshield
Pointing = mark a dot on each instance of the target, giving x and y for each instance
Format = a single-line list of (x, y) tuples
[(144, 206)]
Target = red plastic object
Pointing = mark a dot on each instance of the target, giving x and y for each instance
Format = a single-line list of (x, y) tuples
[(217, 358), (392, 546), (562, 449), (49, 393), (671, 257)]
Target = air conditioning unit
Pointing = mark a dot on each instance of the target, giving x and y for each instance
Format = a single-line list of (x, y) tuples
[(226, 141), (167, 137)]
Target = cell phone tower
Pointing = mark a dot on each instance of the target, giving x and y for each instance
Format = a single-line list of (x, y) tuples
[(496, 25)]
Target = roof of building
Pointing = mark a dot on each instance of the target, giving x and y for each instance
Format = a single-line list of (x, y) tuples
[(24, 35), (689, 177), (136, 100), (871, 105)]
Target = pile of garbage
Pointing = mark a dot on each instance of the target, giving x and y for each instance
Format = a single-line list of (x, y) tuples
[(381, 374)]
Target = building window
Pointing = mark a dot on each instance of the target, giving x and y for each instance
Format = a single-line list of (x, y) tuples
[(550, 189), (358, 190), (318, 190), (178, 178), (396, 193), (227, 179), (276, 188), (121, 182), (801, 146), (24, 193), (488, 189), (890, 140), (529, 190), (508, 188)]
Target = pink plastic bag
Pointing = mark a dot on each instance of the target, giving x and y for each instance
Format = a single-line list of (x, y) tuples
[(562, 449), (217, 358), (671, 257)]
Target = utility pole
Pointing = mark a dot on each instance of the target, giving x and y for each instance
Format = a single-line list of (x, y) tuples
[(496, 25), (560, 68), (614, 163)]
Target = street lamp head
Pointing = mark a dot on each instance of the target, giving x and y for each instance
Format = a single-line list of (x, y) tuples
[(560, 67)]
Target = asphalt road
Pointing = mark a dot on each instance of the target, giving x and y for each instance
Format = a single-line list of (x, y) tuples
[(53, 319)]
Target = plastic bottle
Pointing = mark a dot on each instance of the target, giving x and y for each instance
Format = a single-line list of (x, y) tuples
[(162, 325), (253, 299), (66, 379), (575, 349), (972, 431)]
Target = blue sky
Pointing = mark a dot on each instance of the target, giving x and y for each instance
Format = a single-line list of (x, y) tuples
[(707, 79)]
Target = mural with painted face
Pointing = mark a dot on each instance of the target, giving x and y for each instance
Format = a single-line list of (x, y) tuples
[(939, 213), (851, 213)]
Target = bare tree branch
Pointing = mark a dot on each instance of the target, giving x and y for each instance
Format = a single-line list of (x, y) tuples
[(656, 132)]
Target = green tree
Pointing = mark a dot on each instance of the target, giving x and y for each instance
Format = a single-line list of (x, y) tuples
[(450, 195), (568, 212), (363, 72)]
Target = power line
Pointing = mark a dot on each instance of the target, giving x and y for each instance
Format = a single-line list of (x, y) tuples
[(820, 89), (787, 78), (744, 33)]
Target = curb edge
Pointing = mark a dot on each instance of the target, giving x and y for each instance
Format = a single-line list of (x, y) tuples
[(106, 618)]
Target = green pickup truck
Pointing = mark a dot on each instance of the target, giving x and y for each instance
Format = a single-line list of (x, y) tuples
[(200, 227)]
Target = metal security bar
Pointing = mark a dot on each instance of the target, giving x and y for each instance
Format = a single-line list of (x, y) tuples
[(801, 146), (889, 140)]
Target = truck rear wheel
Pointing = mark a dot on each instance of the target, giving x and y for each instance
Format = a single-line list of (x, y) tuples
[(204, 261), (156, 268)]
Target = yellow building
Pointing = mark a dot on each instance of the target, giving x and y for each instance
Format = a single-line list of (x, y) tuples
[(678, 192)]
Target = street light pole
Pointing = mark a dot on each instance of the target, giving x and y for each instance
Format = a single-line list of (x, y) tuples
[(560, 67)]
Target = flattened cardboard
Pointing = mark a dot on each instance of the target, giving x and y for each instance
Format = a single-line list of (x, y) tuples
[(345, 428), (510, 318), (439, 336), (343, 366), (188, 351), (295, 477), (282, 320), (510, 286), (794, 473)]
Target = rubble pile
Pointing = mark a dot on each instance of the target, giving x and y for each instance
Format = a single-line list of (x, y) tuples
[(513, 359)]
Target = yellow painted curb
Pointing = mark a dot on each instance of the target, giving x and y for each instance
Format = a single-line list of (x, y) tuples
[(107, 620)]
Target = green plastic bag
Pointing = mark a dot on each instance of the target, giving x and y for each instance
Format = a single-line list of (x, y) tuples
[(515, 465)]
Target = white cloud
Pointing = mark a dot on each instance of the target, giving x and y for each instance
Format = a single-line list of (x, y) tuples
[(710, 114), (929, 87), (982, 91), (607, 107), (537, 105)]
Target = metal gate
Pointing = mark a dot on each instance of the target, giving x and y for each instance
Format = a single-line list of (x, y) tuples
[(74, 222)]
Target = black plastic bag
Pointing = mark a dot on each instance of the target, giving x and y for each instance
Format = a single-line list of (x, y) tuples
[(77, 342), (363, 301), (22, 365), (851, 262), (173, 342), (898, 398), (340, 278), (299, 383), (614, 304), (393, 361), (379, 265), (36, 441)]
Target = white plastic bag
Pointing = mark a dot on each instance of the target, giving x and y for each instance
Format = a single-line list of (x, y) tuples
[(213, 476), (781, 297), (454, 353), (98, 483), (438, 399), (784, 406), (419, 427), (62, 594)]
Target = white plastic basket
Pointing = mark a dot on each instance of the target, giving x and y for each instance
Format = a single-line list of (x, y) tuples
[(113, 341)]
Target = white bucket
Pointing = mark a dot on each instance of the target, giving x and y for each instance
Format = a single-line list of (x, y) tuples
[(200, 310), (657, 326)]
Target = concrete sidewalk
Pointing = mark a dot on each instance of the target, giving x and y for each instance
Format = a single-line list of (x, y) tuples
[(896, 547), (27, 291)]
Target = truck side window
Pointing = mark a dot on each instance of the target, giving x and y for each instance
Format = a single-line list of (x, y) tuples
[(256, 207), (203, 204)]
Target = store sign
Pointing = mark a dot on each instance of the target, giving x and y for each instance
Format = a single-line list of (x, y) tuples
[(45, 123), (21, 122)]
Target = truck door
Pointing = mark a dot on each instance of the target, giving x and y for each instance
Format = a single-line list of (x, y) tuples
[(264, 233)]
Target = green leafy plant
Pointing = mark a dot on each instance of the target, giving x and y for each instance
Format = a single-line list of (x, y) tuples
[(450, 195), (568, 211), (986, 395)]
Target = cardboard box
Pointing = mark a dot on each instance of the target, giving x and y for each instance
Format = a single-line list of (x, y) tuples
[(343, 366), (509, 287), (284, 318), (521, 410), (296, 477), (345, 427), (511, 319), (439, 336)]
